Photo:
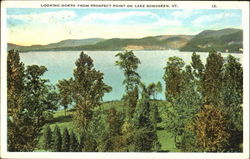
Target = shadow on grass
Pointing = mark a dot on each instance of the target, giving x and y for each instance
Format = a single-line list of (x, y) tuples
[(159, 128), (61, 119), (163, 151)]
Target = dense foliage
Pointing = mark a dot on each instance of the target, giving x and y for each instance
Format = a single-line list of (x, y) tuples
[(30, 99), (206, 103), (202, 110)]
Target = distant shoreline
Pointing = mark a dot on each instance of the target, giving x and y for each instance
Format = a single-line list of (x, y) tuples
[(125, 50)]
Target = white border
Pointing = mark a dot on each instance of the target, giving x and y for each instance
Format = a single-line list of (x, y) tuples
[(181, 5)]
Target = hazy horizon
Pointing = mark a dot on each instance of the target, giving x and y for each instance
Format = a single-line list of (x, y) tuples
[(51, 25)]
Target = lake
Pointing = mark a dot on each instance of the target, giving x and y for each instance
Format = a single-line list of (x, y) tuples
[(60, 65)]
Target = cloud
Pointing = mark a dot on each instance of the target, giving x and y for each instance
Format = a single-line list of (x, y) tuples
[(93, 17), (43, 17), (155, 19), (210, 18), (167, 22), (184, 13)]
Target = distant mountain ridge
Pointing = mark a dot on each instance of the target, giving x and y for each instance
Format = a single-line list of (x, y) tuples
[(225, 40), (60, 44)]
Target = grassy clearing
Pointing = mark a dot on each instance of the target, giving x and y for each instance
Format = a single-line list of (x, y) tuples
[(164, 136)]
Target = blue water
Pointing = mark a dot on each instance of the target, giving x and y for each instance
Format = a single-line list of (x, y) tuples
[(60, 65)]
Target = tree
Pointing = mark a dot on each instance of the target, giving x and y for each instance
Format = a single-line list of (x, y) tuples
[(128, 62), (173, 77), (47, 138), (145, 137), (29, 99), (39, 99), (88, 89), (81, 143), (233, 99), (35, 89), (158, 88), (212, 81), (65, 92), (15, 101), (57, 137), (112, 138), (65, 140), (95, 134), (184, 99), (15, 83), (212, 134), (73, 142), (154, 114), (197, 65)]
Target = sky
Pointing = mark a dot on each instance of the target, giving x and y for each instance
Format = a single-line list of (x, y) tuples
[(32, 26)]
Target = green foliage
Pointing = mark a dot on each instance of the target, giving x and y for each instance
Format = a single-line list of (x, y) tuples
[(128, 62), (15, 101), (173, 77), (188, 141), (145, 136), (233, 98), (198, 71), (183, 108), (88, 90), (64, 87), (30, 99), (57, 137), (114, 122), (96, 132), (90, 143), (130, 99), (154, 114), (212, 80), (233, 90), (73, 142), (154, 89), (203, 108), (81, 143), (65, 140), (48, 140), (197, 65)]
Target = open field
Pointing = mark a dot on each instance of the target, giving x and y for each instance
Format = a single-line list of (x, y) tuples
[(165, 137)]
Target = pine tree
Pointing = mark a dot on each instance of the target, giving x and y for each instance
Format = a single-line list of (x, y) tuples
[(47, 138), (145, 138), (90, 143), (81, 143), (57, 146), (73, 142), (65, 140), (114, 123)]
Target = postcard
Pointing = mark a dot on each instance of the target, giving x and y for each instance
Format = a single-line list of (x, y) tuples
[(124, 79)]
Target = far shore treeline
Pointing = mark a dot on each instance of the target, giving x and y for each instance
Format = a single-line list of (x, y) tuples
[(224, 40), (202, 110)]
